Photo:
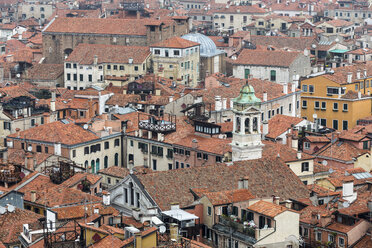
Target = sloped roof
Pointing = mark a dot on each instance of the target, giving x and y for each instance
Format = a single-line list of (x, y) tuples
[(266, 177), (175, 42), (266, 58)]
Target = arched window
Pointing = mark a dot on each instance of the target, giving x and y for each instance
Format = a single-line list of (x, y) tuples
[(116, 159), (97, 165), (86, 164), (92, 163), (255, 124), (131, 190), (246, 125), (105, 162), (237, 127)]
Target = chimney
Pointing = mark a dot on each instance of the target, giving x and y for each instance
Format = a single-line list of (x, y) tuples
[(33, 195), (170, 98), (224, 103), (130, 60), (276, 200), (264, 96), (347, 188), (53, 102), (106, 199), (358, 74), (288, 204), (218, 103), (265, 128), (293, 87), (349, 77), (295, 142), (173, 229), (359, 94), (365, 73), (285, 88), (95, 60), (299, 155)]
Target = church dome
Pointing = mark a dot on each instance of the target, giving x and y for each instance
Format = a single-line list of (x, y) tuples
[(207, 46), (247, 96)]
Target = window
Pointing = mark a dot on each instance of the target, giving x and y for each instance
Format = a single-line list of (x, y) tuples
[(115, 67), (304, 166), (7, 125), (306, 232), (46, 149), (205, 156), (304, 88), (311, 88), (136, 68), (154, 164), (341, 242), (117, 142), (344, 125), (116, 159), (247, 72), (331, 238), (316, 105), (122, 68), (345, 107), (41, 8), (107, 145), (365, 145), (335, 124), (170, 166), (209, 211), (307, 145), (73, 153), (170, 153), (90, 78), (38, 148), (231, 18), (324, 105), (319, 236), (187, 153), (68, 76), (199, 155), (272, 75), (218, 159), (75, 77), (75, 66), (42, 16), (245, 19), (105, 162), (323, 122), (68, 65), (182, 165), (86, 150), (177, 164), (138, 200), (304, 104), (81, 77), (32, 122), (176, 52), (108, 67), (335, 106)]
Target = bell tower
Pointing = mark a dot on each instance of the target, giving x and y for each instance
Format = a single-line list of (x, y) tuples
[(246, 143)]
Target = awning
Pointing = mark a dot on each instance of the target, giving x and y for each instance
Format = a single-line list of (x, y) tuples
[(180, 215), (339, 51)]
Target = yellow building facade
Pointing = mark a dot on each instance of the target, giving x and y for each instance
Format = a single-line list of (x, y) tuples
[(339, 99)]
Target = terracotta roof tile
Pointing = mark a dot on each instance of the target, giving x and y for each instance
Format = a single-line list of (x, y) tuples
[(78, 177), (57, 132), (229, 196), (280, 124), (266, 58), (267, 208), (298, 44), (176, 42), (44, 72), (84, 54), (97, 26), (176, 184), (84, 210), (115, 171), (109, 241)]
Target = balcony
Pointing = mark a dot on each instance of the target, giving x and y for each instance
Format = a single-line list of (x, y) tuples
[(164, 124), (236, 225), (10, 177)]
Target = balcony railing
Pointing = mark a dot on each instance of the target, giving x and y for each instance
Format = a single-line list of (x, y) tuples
[(236, 226), (10, 177), (158, 125)]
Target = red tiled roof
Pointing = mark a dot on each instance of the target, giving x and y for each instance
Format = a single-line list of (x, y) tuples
[(84, 54), (229, 196), (97, 26), (115, 171), (84, 210), (176, 184), (267, 208), (266, 58), (44, 72), (78, 177), (175, 42), (280, 124), (56, 132)]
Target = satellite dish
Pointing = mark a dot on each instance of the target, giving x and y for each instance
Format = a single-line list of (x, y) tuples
[(162, 229), (29, 148), (315, 116), (330, 170), (325, 163), (18, 75), (85, 126)]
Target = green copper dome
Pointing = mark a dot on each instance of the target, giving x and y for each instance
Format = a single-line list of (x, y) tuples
[(247, 96)]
